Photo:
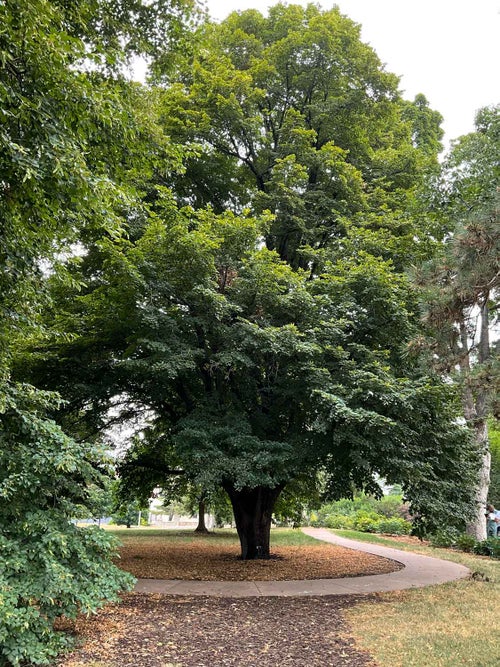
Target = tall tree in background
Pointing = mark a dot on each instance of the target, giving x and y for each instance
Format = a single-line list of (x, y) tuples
[(292, 113), (464, 284), (66, 117), (261, 348)]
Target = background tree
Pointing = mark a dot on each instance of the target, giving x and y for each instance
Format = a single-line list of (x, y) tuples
[(464, 281), (301, 119)]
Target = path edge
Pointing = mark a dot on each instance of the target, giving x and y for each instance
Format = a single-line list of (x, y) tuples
[(418, 571)]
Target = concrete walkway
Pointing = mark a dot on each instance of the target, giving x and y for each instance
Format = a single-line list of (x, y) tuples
[(418, 571)]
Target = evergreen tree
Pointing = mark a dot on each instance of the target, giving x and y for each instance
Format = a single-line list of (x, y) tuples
[(463, 284)]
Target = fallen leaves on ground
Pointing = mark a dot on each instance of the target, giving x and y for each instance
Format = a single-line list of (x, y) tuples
[(161, 558), (175, 631)]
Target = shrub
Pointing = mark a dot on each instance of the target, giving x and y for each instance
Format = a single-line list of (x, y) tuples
[(365, 524), (465, 542), (366, 521), (361, 506), (489, 547), (391, 507), (338, 521), (393, 526), (49, 567), (446, 537)]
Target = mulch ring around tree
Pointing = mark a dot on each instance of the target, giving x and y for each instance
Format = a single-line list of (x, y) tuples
[(162, 559), (178, 631)]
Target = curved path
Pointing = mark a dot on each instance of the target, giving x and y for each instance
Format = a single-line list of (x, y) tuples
[(418, 571)]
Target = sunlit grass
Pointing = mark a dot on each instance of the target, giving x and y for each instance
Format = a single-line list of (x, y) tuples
[(437, 626)]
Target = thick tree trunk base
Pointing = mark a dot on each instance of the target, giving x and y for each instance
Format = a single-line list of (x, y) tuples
[(253, 509), (201, 527)]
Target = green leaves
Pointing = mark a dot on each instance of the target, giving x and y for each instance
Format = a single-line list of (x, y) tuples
[(49, 567), (73, 135), (252, 372), (221, 260), (300, 118)]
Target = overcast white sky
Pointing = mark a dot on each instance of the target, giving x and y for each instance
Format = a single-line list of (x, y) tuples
[(449, 50)]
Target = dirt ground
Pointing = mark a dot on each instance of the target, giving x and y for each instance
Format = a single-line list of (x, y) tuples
[(176, 631)]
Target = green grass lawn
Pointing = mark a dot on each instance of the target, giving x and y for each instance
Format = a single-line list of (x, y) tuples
[(279, 536), (439, 626)]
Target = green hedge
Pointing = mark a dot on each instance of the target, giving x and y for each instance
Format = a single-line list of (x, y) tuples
[(365, 522), (450, 538)]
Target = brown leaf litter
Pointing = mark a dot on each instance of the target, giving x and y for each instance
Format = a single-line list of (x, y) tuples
[(158, 558)]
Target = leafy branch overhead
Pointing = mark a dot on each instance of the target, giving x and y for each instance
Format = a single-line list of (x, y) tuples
[(72, 129)]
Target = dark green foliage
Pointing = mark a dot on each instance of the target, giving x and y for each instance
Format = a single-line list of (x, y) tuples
[(489, 547), (255, 349), (253, 372), (296, 500), (465, 542), (70, 135), (48, 567), (444, 537), (450, 538)]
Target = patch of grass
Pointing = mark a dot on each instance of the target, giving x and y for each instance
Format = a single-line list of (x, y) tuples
[(383, 541), (279, 536), (145, 533), (289, 537), (443, 626)]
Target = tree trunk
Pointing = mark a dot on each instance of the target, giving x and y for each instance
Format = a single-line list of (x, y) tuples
[(477, 526), (475, 412), (253, 510), (201, 528)]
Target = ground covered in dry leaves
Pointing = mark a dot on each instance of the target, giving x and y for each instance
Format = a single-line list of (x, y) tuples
[(214, 560), (174, 631), (177, 631)]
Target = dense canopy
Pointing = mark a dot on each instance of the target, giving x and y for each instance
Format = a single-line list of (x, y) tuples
[(216, 261), (254, 316)]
